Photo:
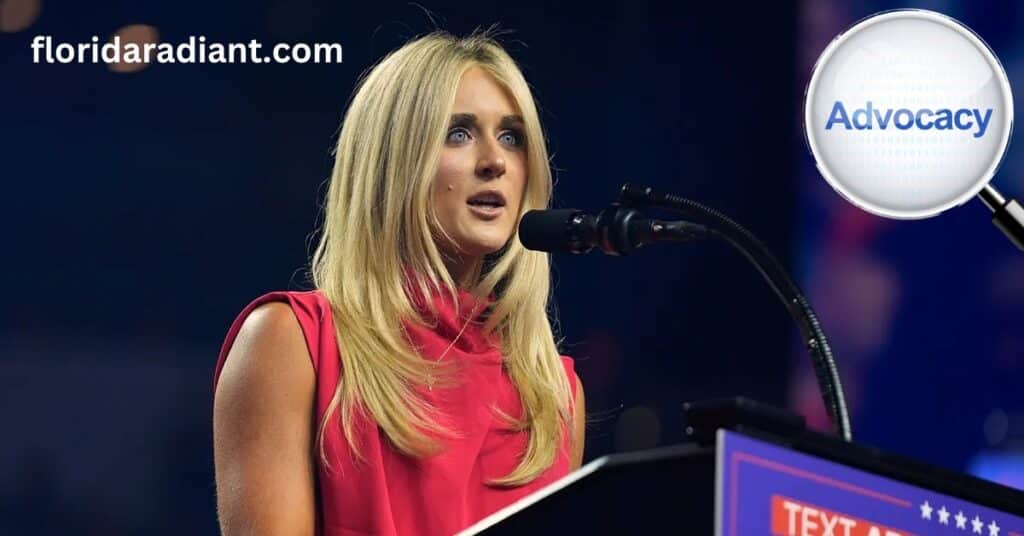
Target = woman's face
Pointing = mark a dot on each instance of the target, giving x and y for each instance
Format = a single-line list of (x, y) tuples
[(482, 171)]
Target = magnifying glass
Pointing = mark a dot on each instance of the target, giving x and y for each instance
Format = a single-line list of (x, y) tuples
[(908, 113)]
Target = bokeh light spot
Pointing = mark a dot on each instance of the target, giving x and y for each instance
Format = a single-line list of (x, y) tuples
[(16, 15)]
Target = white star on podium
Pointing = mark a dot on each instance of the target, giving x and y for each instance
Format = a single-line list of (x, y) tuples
[(977, 524), (943, 515), (926, 511), (961, 520), (993, 529)]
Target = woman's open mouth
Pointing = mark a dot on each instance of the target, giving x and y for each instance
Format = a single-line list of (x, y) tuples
[(487, 205)]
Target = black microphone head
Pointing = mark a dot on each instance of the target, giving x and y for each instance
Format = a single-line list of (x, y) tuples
[(561, 230)]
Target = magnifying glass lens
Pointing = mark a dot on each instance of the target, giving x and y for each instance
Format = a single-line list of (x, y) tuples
[(908, 113)]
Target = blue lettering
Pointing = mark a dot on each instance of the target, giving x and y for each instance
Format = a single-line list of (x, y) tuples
[(904, 119), (944, 119), (917, 119), (883, 121), (862, 113), (982, 122), (956, 119), (838, 115), (903, 112)]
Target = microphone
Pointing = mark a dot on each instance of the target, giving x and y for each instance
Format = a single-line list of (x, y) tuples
[(620, 228), (617, 230)]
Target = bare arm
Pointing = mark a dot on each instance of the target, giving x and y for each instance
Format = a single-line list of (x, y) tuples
[(262, 428), (579, 427)]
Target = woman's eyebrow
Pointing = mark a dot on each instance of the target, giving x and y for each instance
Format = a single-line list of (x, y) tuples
[(463, 119), (470, 119), (511, 121)]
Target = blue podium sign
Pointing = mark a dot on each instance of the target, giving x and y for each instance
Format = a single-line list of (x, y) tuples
[(761, 488)]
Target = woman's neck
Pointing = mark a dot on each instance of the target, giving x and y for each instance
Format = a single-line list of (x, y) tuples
[(464, 271)]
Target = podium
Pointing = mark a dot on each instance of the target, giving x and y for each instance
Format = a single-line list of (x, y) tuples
[(750, 470)]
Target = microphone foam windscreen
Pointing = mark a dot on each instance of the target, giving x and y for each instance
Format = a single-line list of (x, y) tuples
[(546, 230)]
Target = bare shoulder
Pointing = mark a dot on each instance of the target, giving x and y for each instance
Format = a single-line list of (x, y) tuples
[(268, 358), (270, 340), (263, 410)]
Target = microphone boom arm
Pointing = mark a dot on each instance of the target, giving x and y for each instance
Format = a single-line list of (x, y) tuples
[(772, 271)]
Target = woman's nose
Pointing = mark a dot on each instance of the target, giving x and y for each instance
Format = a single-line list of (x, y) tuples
[(491, 163)]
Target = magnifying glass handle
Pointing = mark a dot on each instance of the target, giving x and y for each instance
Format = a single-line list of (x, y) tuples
[(1007, 215)]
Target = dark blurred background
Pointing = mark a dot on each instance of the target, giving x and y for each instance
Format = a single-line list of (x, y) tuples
[(142, 210)]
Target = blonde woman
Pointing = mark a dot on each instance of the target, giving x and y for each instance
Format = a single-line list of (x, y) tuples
[(418, 388)]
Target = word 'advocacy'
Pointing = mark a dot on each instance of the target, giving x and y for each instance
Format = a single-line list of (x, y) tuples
[(925, 119)]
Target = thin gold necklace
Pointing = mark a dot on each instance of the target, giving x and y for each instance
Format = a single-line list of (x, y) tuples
[(430, 376)]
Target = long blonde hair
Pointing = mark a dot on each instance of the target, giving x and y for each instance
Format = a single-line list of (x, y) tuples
[(378, 245)]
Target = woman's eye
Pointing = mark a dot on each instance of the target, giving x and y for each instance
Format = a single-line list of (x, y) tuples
[(512, 138), (457, 135)]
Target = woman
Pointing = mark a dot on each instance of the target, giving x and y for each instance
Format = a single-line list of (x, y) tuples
[(418, 388)]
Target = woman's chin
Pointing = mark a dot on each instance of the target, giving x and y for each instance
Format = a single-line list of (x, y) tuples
[(482, 245)]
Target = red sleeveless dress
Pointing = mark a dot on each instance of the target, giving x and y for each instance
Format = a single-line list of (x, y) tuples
[(393, 494)]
